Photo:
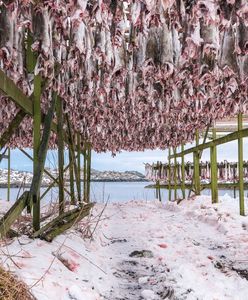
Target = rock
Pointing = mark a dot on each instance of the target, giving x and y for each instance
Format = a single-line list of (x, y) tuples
[(148, 294), (143, 280), (142, 253)]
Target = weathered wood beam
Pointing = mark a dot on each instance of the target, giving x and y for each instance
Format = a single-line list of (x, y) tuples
[(222, 140), (13, 213), (241, 167), (15, 123), (55, 180), (36, 145), (183, 173), (196, 158), (214, 175), (60, 122), (169, 174), (88, 172), (79, 166), (62, 222), (8, 191), (8, 87), (38, 172), (3, 155), (85, 173), (175, 174)]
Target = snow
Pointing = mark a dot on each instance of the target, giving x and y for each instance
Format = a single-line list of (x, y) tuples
[(199, 252)]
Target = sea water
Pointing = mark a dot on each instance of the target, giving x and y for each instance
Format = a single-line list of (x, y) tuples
[(113, 192)]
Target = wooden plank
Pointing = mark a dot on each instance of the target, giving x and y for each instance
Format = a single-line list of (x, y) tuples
[(54, 221), (62, 222), (61, 228), (60, 122), (13, 213), (14, 124), (241, 168), (36, 145)]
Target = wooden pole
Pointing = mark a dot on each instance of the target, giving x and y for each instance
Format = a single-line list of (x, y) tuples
[(72, 150), (60, 122), (40, 163), (79, 165), (241, 170), (36, 145), (85, 173), (88, 172), (214, 169), (169, 174), (183, 173), (8, 194), (197, 167), (73, 201), (175, 174), (157, 182)]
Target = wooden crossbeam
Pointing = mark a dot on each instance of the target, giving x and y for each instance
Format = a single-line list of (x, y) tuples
[(222, 140), (11, 128), (55, 180), (13, 213), (3, 155), (9, 88)]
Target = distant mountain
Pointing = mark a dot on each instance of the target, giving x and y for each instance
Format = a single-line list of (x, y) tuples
[(22, 178), (116, 176)]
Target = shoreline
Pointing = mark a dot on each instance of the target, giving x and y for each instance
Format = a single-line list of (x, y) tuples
[(67, 183)]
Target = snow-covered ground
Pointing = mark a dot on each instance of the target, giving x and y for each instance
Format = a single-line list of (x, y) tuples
[(141, 250)]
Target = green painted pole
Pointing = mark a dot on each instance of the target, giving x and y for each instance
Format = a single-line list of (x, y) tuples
[(197, 167), (169, 174), (36, 146), (214, 170), (72, 190), (175, 174), (8, 193), (241, 165), (34, 194), (60, 122), (88, 172), (183, 173), (85, 173), (79, 166), (157, 182)]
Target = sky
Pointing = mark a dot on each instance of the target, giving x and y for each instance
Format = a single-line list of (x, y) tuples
[(126, 161)]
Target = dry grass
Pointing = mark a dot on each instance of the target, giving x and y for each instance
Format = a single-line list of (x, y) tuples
[(13, 289)]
